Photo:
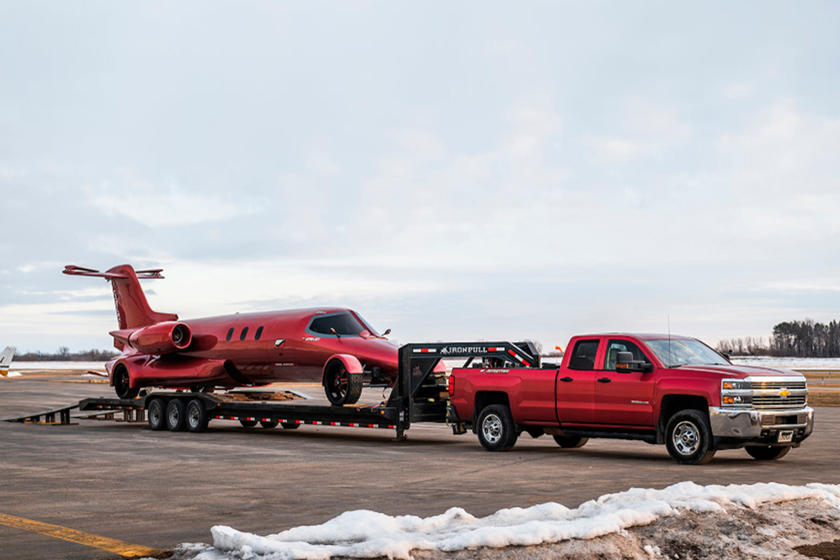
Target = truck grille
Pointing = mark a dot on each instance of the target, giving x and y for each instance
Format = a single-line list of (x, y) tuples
[(776, 401), (778, 385)]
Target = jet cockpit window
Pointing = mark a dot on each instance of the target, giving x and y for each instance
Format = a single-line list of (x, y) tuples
[(343, 323), (370, 329)]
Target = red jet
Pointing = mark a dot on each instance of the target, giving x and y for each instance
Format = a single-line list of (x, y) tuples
[(335, 346)]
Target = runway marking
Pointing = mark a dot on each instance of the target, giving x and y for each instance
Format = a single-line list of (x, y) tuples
[(115, 546)]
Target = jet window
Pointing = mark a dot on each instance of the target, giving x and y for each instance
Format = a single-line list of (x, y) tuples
[(258, 334), (244, 333), (583, 356), (343, 323), (229, 334)]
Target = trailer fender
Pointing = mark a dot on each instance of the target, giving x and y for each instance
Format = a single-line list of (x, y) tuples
[(351, 364)]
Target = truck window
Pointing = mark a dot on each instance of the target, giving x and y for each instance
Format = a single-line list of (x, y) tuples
[(583, 356), (616, 346)]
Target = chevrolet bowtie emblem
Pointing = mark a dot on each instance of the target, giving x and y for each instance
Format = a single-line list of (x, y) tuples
[(784, 393)]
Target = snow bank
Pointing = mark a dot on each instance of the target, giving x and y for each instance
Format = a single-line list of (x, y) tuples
[(368, 534)]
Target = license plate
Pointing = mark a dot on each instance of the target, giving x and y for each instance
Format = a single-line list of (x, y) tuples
[(786, 436)]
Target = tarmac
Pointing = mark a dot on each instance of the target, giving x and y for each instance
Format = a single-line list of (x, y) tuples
[(123, 483)]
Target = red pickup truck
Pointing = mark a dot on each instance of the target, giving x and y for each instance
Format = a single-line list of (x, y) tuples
[(666, 389)]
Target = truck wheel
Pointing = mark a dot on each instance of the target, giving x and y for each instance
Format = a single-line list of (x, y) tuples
[(290, 425), (570, 442), (175, 415), (342, 387), (197, 417), (268, 424), (767, 452), (122, 384), (156, 413), (496, 430), (248, 423), (688, 437)]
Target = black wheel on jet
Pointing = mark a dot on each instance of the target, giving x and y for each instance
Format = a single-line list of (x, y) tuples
[(197, 417), (175, 415), (122, 383), (156, 414), (342, 387)]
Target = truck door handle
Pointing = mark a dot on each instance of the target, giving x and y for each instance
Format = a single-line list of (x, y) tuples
[(604, 380), (566, 379)]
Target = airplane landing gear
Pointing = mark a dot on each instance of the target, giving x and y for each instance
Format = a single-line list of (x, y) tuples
[(342, 387)]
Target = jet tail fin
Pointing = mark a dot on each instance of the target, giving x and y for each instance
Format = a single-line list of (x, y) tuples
[(133, 309)]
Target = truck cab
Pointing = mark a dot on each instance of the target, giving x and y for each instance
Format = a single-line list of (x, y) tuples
[(657, 388)]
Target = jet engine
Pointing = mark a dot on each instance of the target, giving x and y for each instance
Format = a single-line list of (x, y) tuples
[(162, 338)]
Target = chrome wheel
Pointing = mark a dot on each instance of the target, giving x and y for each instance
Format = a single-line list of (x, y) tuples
[(491, 428), (193, 416), (174, 416), (686, 438)]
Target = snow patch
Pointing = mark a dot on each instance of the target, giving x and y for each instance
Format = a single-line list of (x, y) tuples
[(12, 374), (369, 534)]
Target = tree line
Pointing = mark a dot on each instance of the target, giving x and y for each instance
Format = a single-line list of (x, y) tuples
[(801, 339), (63, 354)]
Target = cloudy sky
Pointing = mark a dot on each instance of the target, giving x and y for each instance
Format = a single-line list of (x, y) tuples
[(466, 170)]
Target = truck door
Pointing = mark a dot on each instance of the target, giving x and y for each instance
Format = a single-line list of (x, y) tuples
[(576, 383), (623, 399)]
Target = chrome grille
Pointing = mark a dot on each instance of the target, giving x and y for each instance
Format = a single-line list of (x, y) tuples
[(778, 401), (778, 385)]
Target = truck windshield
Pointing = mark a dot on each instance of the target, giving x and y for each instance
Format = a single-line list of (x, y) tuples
[(682, 351)]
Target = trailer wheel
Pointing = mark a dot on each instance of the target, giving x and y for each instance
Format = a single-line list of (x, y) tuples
[(248, 423), (688, 437), (496, 429), (175, 415), (767, 452), (122, 383), (268, 424), (157, 414), (197, 417), (290, 425), (342, 387), (570, 442)]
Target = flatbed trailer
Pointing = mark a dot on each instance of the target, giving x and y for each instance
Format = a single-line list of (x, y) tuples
[(419, 394)]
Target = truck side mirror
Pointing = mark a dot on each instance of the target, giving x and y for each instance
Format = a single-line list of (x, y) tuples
[(624, 363)]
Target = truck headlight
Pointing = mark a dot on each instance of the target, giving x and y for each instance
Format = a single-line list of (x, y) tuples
[(735, 392)]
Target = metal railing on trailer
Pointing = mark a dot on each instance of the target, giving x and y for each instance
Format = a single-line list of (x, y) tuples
[(420, 394)]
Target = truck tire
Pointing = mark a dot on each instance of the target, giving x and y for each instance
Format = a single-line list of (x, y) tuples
[(290, 425), (767, 452), (248, 423), (268, 424), (570, 442), (688, 437), (342, 387), (496, 429), (176, 415), (156, 414), (197, 417)]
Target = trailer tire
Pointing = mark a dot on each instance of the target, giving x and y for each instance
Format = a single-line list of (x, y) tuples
[(340, 386), (156, 414), (248, 423), (767, 452), (176, 415), (290, 425), (268, 424), (570, 442), (496, 429), (197, 417), (688, 437)]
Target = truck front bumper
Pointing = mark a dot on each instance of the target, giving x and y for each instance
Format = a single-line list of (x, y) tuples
[(761, 425)]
